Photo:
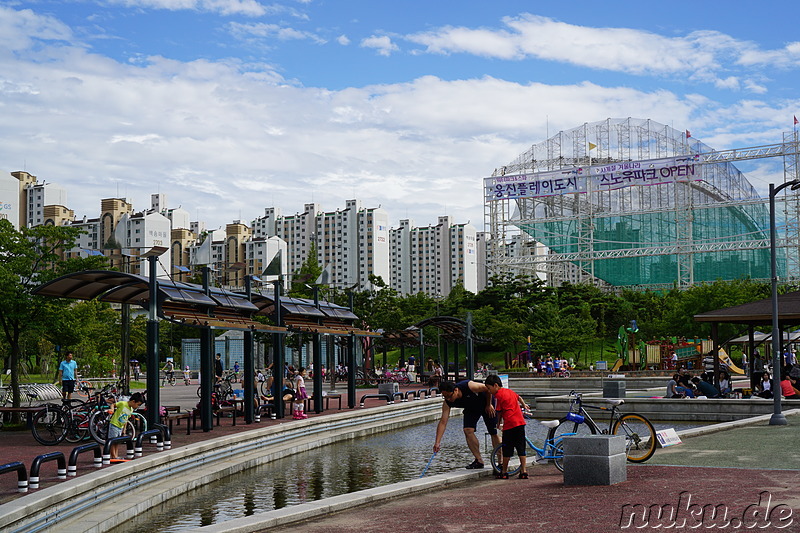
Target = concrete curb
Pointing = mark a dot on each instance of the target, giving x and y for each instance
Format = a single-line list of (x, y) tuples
[(723, 426), (344, 502)]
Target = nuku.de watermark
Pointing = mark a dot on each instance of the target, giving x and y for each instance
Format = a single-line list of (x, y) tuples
[(690, 515)]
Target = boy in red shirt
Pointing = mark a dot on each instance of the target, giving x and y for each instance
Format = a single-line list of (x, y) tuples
[(509, 410)]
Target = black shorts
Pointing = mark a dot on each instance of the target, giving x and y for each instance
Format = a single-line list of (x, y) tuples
[(471, 421), (68, 385), (514, 439)]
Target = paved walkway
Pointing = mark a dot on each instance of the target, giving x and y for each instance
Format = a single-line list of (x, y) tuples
[(747, 473)]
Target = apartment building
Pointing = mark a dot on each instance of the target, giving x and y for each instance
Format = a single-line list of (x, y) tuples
[(352, 242), (434, 259)]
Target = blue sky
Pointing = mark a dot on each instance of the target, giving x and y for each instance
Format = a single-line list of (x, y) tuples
[(231, 106)]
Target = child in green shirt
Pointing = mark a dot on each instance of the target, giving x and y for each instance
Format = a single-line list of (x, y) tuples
[(122, 412)]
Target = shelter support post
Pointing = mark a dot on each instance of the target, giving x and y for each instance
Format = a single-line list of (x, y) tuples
[(351, 366), (153, 366), (317, 372)]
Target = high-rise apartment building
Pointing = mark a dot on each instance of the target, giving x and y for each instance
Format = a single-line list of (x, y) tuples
[(433, 259), (352, 242)]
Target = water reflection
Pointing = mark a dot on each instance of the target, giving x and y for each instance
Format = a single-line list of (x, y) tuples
[(329, 471)]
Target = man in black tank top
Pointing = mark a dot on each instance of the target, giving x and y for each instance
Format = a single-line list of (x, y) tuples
[(476, 401)]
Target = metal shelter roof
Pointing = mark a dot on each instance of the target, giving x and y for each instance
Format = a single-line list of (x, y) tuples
[(188, 303), (452, 329), (758, 312), (183, 303)]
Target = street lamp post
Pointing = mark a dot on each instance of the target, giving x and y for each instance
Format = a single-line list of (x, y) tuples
[(777, 418)]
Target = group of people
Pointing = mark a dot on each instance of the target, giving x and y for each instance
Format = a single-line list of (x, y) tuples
[(548, 366), (499, 407), (683, 385)]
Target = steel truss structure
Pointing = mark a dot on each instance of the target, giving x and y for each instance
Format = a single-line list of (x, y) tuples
[(671, 233)]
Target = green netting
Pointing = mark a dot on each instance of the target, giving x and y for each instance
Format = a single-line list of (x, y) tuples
[(709, 225)]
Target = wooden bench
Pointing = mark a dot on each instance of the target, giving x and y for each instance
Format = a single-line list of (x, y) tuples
[(177, 417)]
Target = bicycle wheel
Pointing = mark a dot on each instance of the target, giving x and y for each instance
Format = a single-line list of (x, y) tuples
[(199, 392), (568, 428), (49, 426), (558, 455), (640, 436), (98, 426), (78, 426), (497, 462), (139, 422)]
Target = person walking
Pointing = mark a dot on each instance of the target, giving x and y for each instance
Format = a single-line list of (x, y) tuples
[(476, 401), (67, 374)]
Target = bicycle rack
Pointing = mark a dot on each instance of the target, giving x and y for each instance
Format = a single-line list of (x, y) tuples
[(167, 435), (37, 463), (389, 399), (72, 464), (156, 432), (413, 393), (22, 474), (117, 440), (402, 398)]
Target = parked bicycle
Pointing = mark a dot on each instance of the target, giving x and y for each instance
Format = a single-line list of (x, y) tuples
[(639, 433), (551, 450), (100, 420)]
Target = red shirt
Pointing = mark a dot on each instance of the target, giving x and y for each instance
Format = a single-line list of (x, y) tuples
[(508, 408), (786, 388)]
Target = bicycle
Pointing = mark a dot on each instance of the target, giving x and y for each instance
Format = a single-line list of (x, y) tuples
[(169, 378), (551, 450), (639, 433), (100, 420)]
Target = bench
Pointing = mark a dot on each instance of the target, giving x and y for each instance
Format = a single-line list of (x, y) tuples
[(177, 417), (333, 396), (217, 412)]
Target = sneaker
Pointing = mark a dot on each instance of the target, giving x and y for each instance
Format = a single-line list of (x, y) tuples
[(475, 465), (504, 475), (523, 475)]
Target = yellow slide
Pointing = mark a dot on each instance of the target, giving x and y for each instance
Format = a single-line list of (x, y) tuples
[(617, 365), (725, 358)]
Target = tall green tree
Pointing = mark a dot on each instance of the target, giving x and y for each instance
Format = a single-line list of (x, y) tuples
[(28, 258)]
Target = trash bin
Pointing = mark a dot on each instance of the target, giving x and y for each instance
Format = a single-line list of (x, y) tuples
[(614, 388)]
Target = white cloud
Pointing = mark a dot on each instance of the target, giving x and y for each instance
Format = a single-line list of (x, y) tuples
[(382, 44), (271, 31), (19, 30), (251, 8), (343, 40), (701, 55)]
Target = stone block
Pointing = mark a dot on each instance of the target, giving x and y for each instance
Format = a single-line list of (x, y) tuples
[(594, 460), (388, 388), (595, 470), (614, 388), (602, 445)]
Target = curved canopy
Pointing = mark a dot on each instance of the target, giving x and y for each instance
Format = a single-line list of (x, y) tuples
[(452, 330), (188, 303)]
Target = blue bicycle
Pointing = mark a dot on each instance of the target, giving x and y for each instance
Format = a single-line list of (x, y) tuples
[(551, 450)]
